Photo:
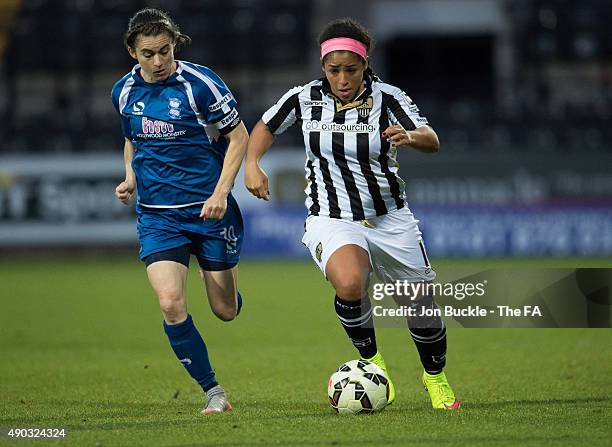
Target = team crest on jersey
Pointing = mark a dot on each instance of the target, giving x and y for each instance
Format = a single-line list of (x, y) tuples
[(174, 108), (319, 251), (365, 108)]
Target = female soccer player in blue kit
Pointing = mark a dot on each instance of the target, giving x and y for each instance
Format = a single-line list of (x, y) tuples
[(184, 143)]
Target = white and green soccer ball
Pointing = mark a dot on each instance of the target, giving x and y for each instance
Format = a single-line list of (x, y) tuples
[(358, 387)]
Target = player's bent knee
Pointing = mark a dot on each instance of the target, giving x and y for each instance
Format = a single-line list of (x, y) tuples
[(226, 316), (224, 309), (173, 315), (225, 313), (349, 287), (172, 306)]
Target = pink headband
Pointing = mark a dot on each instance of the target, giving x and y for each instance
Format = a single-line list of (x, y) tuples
[(344, 44)]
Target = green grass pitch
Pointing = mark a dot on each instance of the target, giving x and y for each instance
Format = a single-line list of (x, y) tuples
[(82, 348)]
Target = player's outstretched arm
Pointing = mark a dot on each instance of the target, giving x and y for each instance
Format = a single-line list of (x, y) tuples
[(255, 179), (216, 205), (423, 139), (125, 190)]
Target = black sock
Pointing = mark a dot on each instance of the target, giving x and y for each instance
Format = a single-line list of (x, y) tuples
[(429, 336), (356, 319)]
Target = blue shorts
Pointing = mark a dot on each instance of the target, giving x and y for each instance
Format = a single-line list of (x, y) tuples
[(215, 241)]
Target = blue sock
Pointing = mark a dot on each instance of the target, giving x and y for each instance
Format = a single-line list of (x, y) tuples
[(239, 299), (191, 351)]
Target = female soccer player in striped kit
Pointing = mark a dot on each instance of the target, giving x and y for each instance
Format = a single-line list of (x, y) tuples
[(184, 144), (358, 221)]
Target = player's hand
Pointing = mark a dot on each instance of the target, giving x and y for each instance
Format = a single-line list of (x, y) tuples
[(215, 207), (256, 181), (398, 136), (125, 190)]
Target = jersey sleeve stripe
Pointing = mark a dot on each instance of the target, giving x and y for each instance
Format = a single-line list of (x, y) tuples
[(213, 88), (399, 112), (125, 92), (291, 104)]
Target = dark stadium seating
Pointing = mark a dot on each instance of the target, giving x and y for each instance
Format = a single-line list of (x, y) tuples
[(252, 42)]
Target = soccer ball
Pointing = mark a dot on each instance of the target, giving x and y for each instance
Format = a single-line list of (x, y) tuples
[(358, 387)]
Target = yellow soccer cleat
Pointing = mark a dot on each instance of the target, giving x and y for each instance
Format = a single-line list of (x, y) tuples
[(380, 362), (440, 392)]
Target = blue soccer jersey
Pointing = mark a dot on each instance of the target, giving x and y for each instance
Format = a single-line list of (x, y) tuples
[(176, 127)]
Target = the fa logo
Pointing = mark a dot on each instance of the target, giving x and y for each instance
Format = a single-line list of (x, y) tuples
[(231, 241), (174, 110), (138, 107)]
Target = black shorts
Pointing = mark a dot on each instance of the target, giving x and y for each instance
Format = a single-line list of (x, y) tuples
[(182, 254)]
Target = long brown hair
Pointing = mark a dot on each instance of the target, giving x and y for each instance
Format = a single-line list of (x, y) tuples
[(151, 22)]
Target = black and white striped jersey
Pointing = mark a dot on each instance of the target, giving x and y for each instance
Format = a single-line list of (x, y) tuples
[(351, 169)]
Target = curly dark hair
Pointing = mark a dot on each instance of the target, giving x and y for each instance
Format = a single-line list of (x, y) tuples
[(151, 22), (351, 28)]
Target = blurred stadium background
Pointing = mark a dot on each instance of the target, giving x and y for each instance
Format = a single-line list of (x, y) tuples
[(520, 92)]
